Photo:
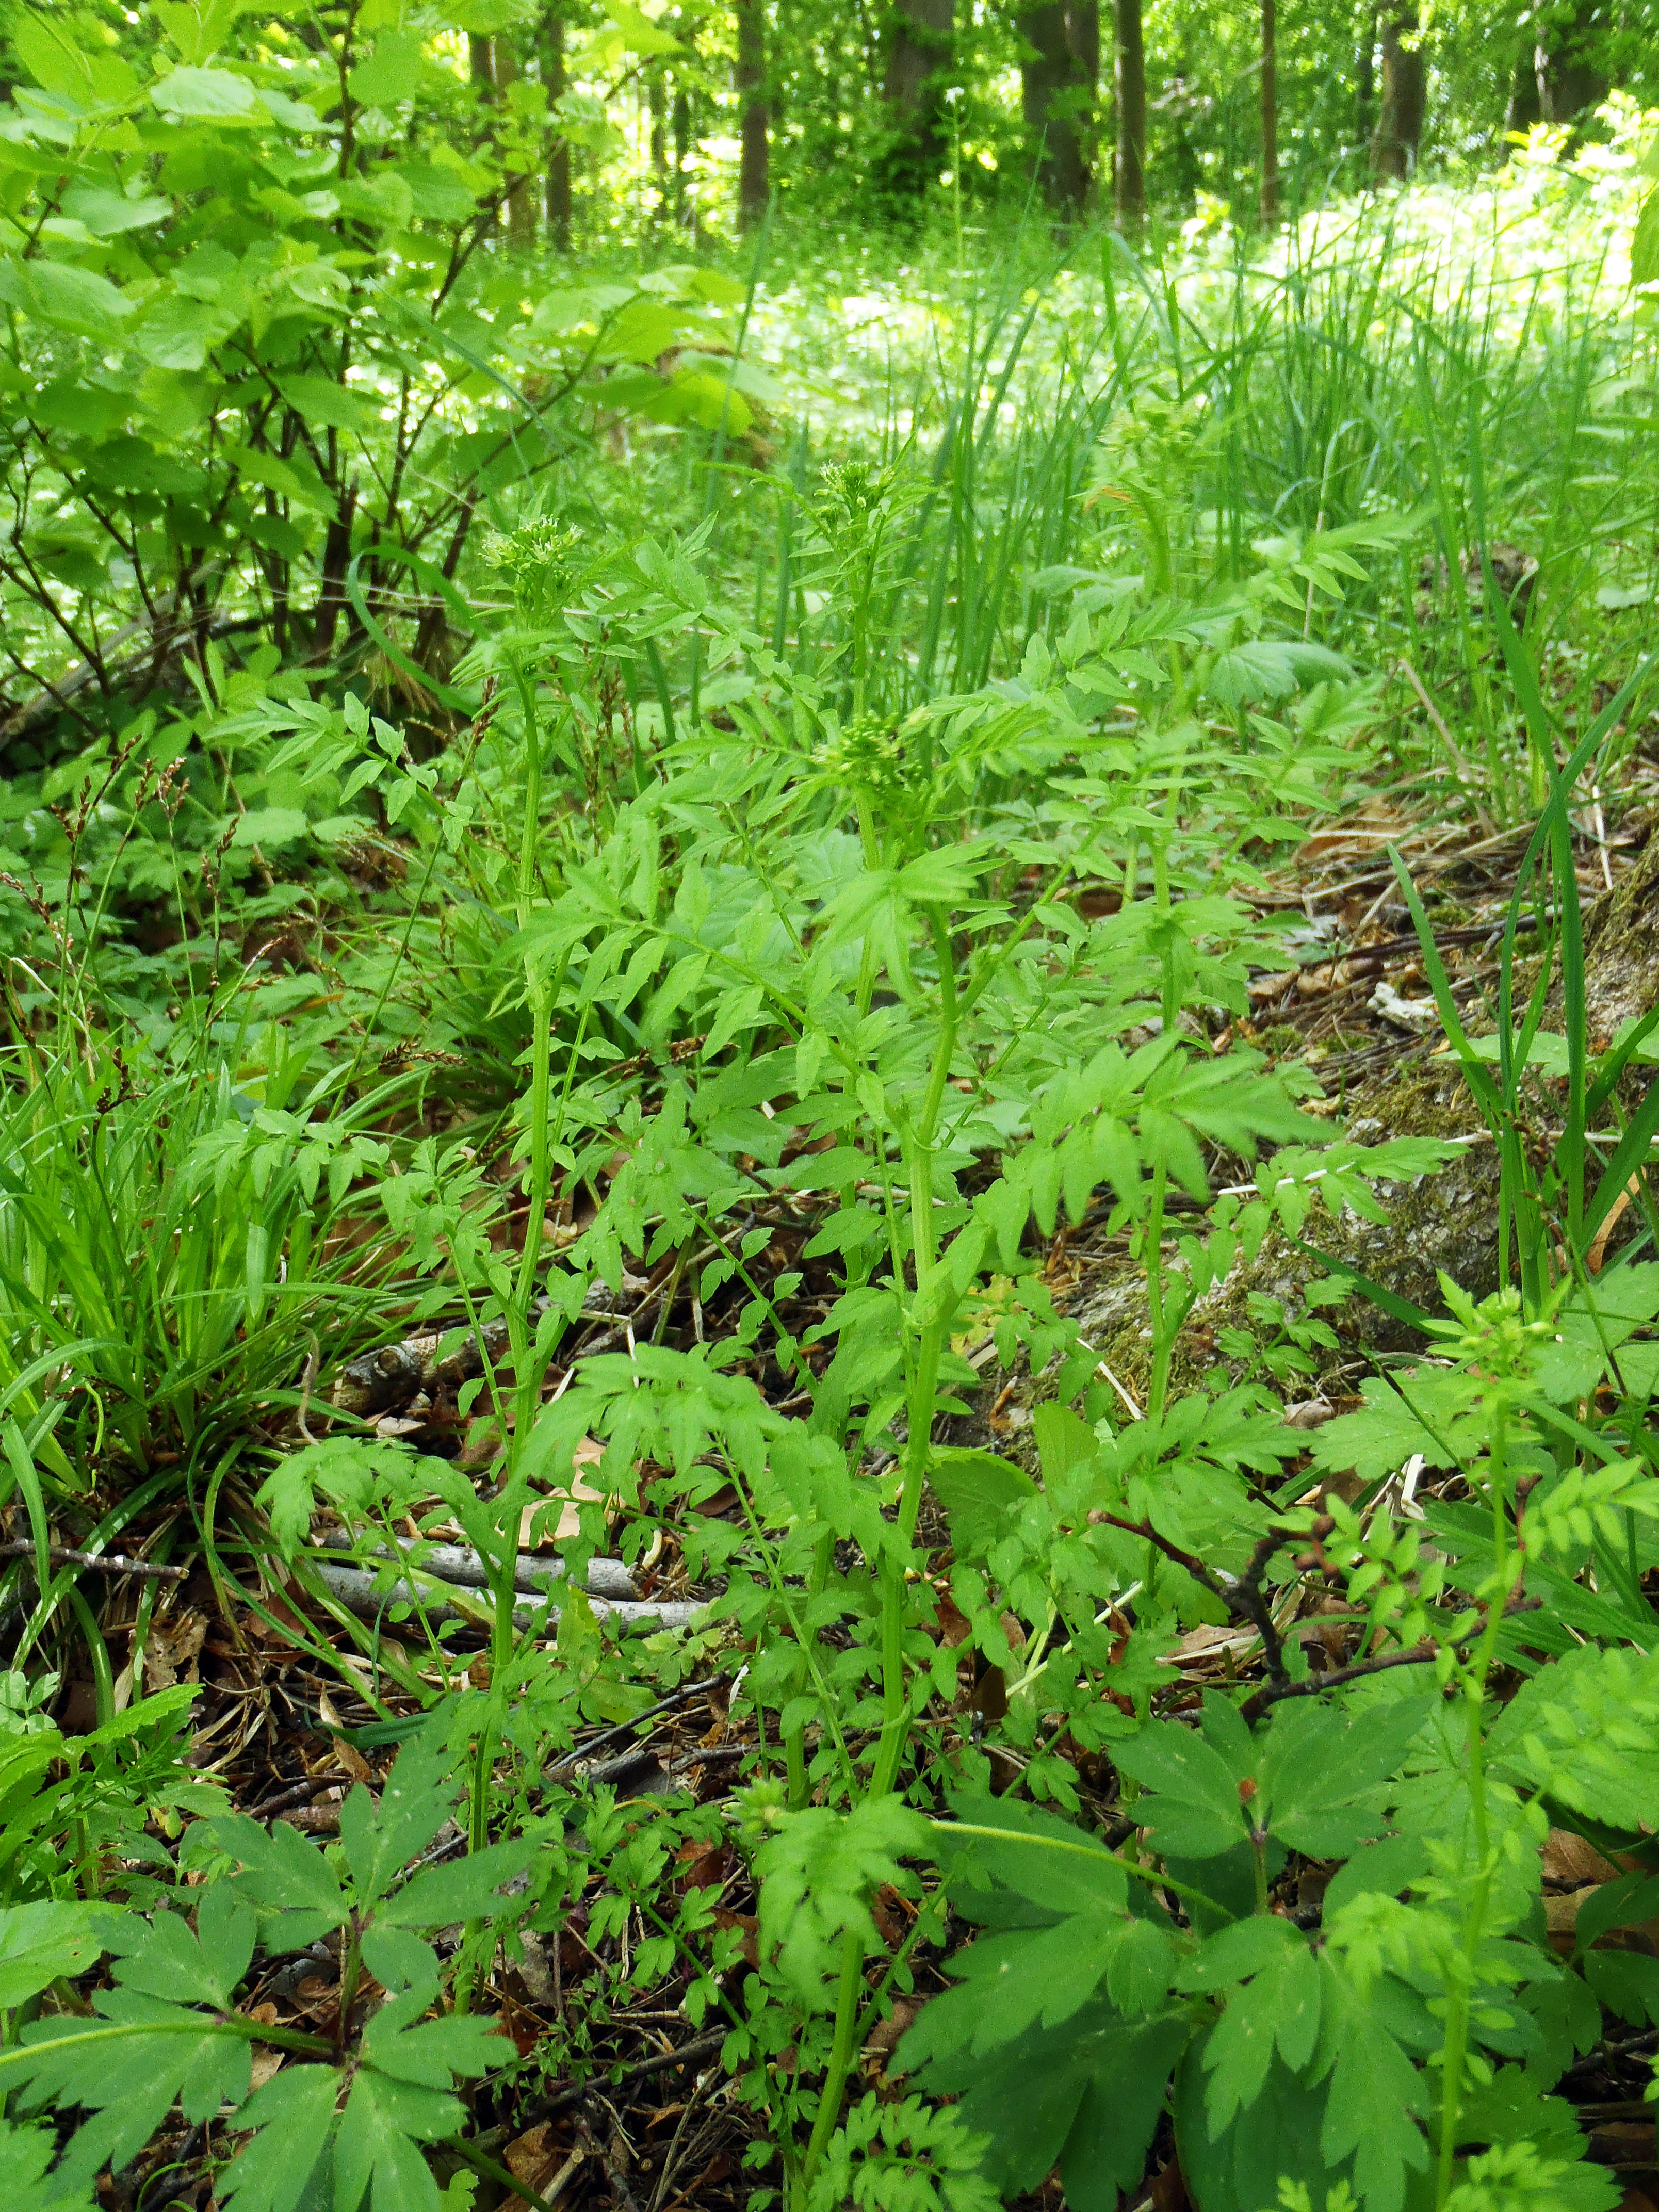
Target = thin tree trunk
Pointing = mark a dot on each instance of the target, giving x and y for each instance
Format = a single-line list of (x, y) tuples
[(1399, 140), (1130, 72), (921, 40), (1051, 96), (1523, 109), (481, 66), (1570, 85), (749, 81), (682, 116), (556, 189), (1269, 114), (1083, 36), (520, 197), (659, 99), (1365, 80)]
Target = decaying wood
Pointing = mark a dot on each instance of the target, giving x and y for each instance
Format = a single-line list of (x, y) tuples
[(358, 1589)]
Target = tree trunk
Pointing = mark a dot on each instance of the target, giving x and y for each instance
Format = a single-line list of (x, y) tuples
[(1522, 110), (749, 81), (657, 95), (520, 197), (482, 63), (1131, 73), (682, 119), (1269, 114), (922, 38), (1083, 36), (558, 186), (1570, 85), (1399, 139), (1052, 94), (1365, 80)]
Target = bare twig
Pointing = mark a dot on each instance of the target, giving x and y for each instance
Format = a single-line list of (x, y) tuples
[(1414, 1655), (1243, 1597), (701, 2046), (106, 1563)]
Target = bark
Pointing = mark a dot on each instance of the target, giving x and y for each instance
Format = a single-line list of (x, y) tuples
[(1269, 114), (1053, 95), (1083, 36), (921, 40), (657, 100), (481, 62), (1570, 85), (520, 190), (1365, 80), (557, 186), (1131, 74), (682, 115), (1523, 109), (749, 81), (1399, 140)]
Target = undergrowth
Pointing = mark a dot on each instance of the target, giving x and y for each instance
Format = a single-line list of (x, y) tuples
[(797, 918)]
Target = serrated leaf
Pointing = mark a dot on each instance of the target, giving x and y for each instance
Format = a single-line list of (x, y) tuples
[(1240, 2170), (1235, 1952), (1394, 1427), (25, 2184), (172, 1962), (293, 2119), (282, 1875), (129, 2070), (38, 1942), (377, 2151), (1376, 2095), (434, 2052), (1586, 1732), (1279, 2009), (1196, 1811), (1321, 1771), (467, 1889), (416, 1801)]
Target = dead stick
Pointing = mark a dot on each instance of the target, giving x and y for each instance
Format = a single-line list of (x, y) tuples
[(107, 1563)]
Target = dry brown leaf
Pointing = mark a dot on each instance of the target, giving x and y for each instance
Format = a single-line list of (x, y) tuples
[(1570, 1861), (886, 2035), (541, 2162), (356, 1765), (172, 1650), (575, 1494)]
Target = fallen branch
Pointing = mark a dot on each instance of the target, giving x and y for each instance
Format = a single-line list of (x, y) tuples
[(456, 1563), (359, 1589), (1414, 1655), (105, 1563)]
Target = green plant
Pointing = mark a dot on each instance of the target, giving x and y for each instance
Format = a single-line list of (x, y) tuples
[(1101, 1975), (172, 2028)]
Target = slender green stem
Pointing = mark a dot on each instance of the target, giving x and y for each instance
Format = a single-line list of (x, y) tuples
[(1460, 1991), (842, 2051), (923, 1389)]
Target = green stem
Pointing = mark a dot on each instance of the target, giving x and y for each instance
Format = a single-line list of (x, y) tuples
[(1158, 1383), (924, 1374), (1460, 1995), (842, 2053)]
